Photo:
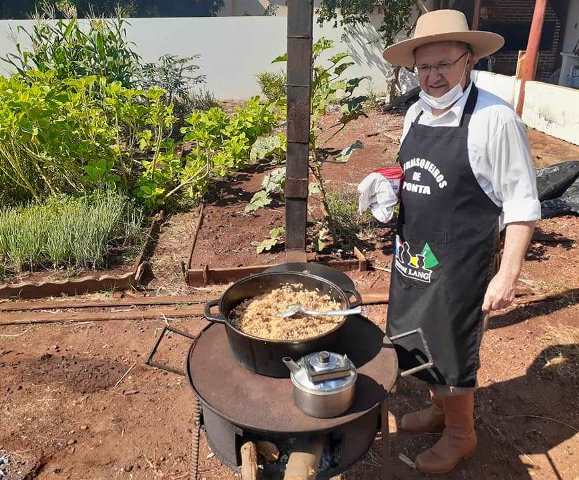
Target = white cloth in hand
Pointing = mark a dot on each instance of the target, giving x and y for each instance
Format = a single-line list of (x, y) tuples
[(379, 193)]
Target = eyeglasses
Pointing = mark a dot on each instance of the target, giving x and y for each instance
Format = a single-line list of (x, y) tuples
[(442, 68)]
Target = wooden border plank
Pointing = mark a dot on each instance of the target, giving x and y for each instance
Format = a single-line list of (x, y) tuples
[(87, 283), (31, 318), (76, 304), (196, 229)]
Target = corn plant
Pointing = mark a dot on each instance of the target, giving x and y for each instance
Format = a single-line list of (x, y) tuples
[(71, 51)]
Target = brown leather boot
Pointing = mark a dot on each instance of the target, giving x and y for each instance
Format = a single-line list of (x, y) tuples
[(427, 420), (458, 440)]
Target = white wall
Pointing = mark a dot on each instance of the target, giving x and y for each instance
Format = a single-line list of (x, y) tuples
[(255, 7), (235, 49), (572, 27), (501, 85), (552, 109), (548, 108)]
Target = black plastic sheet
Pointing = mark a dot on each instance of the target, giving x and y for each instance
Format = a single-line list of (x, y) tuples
[(566, 204), (553, 181)]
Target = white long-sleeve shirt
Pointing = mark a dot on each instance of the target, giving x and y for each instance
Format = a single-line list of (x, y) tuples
[(498, 149)]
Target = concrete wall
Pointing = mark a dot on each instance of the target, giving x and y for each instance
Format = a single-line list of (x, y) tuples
[(572, 27), (501, 85), (552, 109), (235, 49), (548, 108)]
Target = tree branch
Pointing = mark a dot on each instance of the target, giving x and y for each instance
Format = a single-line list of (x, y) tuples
[(421, 6)]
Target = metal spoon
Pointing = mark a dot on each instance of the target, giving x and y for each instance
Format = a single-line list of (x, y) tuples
[(298, 309)]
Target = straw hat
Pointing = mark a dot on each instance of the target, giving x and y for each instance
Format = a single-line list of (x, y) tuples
[(443, 26)]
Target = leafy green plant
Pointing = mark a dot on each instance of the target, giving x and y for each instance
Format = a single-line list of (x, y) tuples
[(173, 74), (328, 88), (276, 236), (347, 152), (68, 232), (397, 19), (52, 136), (69, 50), (273, 183), (221, 143), (272, 147), (76, 135), (397, 14)]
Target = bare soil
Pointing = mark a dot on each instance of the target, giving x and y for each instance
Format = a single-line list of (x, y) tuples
[(78, 403)]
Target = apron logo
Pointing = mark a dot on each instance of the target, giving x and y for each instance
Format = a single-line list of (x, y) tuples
[(419, 266), (427, 166)]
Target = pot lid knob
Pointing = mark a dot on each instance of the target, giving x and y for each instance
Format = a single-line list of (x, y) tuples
[(324, 357), (324, 372)]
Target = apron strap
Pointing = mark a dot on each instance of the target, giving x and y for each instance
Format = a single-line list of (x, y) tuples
[(469, 107)]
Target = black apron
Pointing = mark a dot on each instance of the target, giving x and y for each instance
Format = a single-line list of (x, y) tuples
[(445, 247)]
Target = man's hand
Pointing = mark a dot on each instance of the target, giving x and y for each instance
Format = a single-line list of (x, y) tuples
[(500, 293), (501, 290)]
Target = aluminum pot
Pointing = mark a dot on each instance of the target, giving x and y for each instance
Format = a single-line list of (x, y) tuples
[(265, 356), (323, 383)]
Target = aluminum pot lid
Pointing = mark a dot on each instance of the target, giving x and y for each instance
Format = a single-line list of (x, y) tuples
[(324, 373)]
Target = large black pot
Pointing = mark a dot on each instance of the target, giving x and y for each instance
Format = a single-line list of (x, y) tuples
[(265, 356)]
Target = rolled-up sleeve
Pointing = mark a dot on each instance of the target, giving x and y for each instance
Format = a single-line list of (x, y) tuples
[(513, 175)]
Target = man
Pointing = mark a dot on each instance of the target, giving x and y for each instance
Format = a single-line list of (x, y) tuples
[(467, 173)]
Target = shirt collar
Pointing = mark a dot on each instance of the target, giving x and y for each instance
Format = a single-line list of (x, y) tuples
[(454, 111)]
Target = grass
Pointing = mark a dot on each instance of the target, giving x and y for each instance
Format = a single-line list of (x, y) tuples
[(67, 232), (349, 225)]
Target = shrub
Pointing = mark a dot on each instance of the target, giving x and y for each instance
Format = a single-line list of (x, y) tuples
[(273, 85), (75, 135), (177, 76), (348, 224), (201, 99), (221, 144)]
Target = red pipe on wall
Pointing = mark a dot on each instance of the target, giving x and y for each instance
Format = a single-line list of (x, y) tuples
[(527, 71)]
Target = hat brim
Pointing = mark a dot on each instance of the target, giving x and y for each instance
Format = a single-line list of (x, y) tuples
[(483, 44)]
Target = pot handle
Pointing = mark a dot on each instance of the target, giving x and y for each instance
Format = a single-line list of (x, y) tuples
[(424, 366), (353, 293), (207, 314), (153, 351)]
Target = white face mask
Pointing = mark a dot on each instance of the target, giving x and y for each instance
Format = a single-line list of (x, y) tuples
[(449, 98)]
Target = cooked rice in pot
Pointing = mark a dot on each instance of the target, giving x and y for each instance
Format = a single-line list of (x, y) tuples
[(259, 316)]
